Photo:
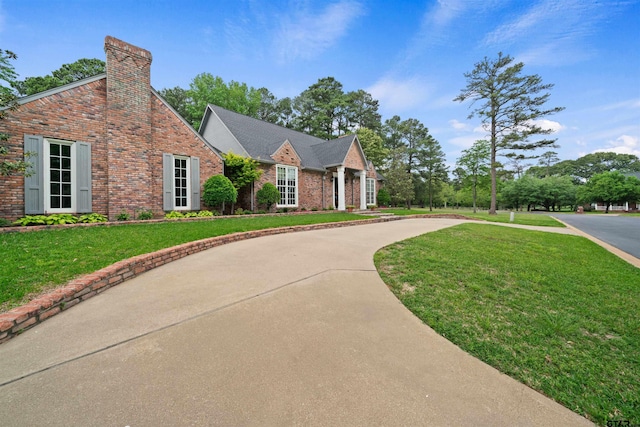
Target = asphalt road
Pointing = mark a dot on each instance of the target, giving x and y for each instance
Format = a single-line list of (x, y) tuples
[(622, 232)]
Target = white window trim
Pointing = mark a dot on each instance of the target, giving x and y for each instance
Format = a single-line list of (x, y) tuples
[(47, 176), (173, 165), (287, 167), (373, 195)]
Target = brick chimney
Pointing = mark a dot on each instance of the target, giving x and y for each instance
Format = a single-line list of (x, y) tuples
[(128, 126)]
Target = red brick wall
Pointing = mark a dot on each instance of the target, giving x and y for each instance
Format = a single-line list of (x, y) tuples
[(76, 114), (172, 135)]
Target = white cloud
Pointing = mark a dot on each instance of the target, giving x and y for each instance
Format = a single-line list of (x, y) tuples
[(400, 95), (555, 127), (564, 24), (457, 125), (306, 34), (624, 144)]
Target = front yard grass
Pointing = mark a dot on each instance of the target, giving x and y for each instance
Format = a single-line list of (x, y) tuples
[(556, 312), (522, 218), (37, 261)]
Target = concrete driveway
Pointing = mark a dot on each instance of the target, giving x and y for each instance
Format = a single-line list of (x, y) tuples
[(292, 329), (622, 232)]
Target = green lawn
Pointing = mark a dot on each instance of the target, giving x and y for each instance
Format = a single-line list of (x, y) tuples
[(522, 218), (556, 312), (37, 261)]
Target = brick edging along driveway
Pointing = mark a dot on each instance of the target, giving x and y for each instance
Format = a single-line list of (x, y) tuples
[(19, 319)]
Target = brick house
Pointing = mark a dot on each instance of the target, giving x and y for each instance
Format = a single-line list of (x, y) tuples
[(105, 144), (310, 172)]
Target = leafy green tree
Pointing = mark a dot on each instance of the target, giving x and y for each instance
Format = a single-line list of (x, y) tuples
[(319, 108), (362, 111), (67, 73), (431, 161), (8, 76), (475, 162), (609, 188), (326, 111), (218, 190), (372, 145), (398, 182), (548, 159), (8, 102), (268, 195), (206, 89), (511, 105), (179, 99), (595, 163)]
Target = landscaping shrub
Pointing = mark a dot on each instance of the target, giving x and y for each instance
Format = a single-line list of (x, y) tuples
[(46, 219), (174, 215), (144, 215), (384, 198), (92, 218), (123, 216), (219, 190), (205, 213), (268, 195)]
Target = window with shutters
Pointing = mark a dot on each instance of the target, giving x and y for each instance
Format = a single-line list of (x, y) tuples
[(59, 176), (181, 181), (287, 183), (59, 179)]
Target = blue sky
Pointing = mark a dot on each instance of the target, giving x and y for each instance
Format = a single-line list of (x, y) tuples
[(410, 55)]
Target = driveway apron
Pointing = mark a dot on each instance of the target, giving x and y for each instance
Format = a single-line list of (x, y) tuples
[(292, 329)]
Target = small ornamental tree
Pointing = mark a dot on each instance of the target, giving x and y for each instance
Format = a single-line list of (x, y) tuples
[(241, 171), (219, 190), (268, 195), (384, 198)]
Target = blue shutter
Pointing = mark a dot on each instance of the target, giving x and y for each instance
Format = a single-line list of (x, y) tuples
[(83, 177), (167, 182), (34, 183), (195, 183)]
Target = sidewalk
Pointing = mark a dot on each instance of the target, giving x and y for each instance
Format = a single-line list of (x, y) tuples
[(292, 329)]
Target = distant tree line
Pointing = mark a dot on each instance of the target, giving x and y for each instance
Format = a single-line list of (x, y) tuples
[(403, 150)]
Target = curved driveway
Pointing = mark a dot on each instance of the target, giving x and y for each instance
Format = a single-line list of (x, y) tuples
[(292, 329), (622, 232)]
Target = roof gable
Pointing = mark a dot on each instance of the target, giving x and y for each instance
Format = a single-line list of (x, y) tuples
[(286, 154)]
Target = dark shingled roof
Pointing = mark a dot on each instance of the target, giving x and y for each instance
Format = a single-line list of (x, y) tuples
[(261, 139)]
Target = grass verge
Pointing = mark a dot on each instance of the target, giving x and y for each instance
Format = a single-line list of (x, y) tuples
[(522, 218), (556, 312), (38, 261)]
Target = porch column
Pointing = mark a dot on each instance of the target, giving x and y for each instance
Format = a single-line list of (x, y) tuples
[(363, 190), (341, 204)]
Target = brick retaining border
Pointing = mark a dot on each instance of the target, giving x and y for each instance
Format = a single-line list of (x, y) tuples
[(19, 319)]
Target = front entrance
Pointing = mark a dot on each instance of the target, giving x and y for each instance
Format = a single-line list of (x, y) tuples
[(335, 192)]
